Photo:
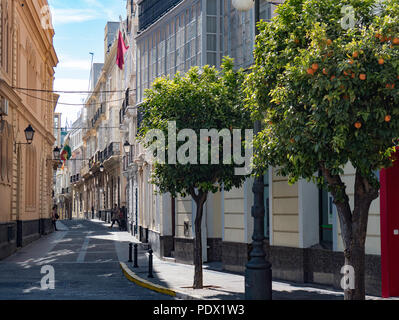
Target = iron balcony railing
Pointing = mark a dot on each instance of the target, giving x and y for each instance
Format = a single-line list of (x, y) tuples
[(125, 106), (113, 149), (97, 115), (75, 178), (65, 190)]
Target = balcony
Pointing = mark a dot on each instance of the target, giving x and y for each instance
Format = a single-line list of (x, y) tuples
[(97, 115), (124, 109), (113, 149), (151, 10), (75, 178), (65, 190)]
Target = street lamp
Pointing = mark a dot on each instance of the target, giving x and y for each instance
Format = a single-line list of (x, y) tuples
[(102, 168), (56, 153), (126, 147), (29, 134), (258, 273)]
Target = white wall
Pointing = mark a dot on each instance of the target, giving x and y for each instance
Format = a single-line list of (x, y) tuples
[(308, 201)]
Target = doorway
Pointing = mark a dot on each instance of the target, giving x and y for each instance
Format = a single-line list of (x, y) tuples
[(389, 194)]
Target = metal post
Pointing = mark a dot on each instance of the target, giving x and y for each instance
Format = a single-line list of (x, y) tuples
[(258, 273), (135, 265), (130, 252), (150, 275)]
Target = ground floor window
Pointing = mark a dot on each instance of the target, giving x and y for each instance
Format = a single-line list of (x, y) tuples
[(326, 218)]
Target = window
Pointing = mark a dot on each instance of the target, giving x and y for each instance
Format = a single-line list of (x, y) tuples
[(212, 32), (30, 176), (326, 215), (6, 152)]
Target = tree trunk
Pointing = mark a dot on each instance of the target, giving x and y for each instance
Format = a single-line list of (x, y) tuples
[(198, 275), (354, 229)]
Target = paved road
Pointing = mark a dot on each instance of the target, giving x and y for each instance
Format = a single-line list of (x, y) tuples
[(85, 260)]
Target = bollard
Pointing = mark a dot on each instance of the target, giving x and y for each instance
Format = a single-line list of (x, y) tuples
[(150, 275), (135, 256), (130, 252)]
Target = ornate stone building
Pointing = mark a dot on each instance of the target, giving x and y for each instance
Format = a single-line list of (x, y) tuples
[(27, 60)]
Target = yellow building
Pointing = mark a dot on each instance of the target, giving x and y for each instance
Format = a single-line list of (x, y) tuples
[(27, 60)]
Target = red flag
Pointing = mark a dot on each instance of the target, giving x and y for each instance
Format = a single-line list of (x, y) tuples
[(121, 51)]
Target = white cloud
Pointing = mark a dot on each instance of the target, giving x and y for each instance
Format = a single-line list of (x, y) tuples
[(65, 16), (70, 63)]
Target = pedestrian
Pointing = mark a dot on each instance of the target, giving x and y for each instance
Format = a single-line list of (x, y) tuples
[(92, 212), (54, 217), (115, 216), (121, 219)]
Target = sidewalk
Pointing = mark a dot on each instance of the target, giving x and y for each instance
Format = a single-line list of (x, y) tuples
[(176, 279)]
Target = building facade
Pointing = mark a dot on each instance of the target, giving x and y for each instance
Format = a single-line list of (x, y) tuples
[(303, 239), (75, 164), (101, 169), (174, 38), (27, 60)]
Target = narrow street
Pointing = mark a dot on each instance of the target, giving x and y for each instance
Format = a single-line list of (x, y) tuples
[(84, 256)]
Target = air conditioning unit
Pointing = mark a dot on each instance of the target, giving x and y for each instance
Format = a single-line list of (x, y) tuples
[(3, 107)]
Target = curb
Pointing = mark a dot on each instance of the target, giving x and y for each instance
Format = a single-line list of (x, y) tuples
[(133, 277)]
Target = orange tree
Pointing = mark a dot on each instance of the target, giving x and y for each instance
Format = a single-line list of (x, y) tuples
[(325, 82)]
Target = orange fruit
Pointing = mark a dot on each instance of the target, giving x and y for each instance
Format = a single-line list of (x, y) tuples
[(350, 61), (292, 140), (342, 86), (315, 66), (358, 125), (296, 41), (310, 71), (346, 73), (329, 42), (332, 78), (397, 77), (353, 76), (395, 41), (381, 61), (362, 76), (355, 54), (387, 118), (378, 36), (325, 71)]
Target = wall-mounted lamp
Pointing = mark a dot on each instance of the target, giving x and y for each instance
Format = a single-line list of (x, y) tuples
[(126, 147), (102, 168), (56, 153), (29, 134)]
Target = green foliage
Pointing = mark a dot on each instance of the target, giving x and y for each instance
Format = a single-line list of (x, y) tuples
[(201, 99), (310, 116)]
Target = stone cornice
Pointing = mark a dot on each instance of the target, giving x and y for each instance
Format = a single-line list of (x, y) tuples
[(44, 38), (24, 112)]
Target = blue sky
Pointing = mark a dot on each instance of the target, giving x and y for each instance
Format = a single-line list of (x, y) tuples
[(79, 29)]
